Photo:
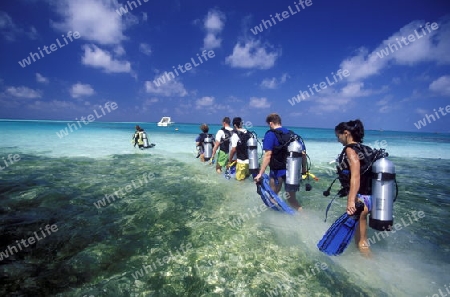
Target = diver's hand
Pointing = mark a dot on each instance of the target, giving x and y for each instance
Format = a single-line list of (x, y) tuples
[(351, 208), (257, 178)]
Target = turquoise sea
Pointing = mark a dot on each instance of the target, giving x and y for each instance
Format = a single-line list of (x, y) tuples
[(87, 214)]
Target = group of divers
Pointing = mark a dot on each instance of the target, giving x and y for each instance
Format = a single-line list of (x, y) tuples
[(366, 176)]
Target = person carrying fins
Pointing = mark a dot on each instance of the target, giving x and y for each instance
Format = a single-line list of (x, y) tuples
[(283, 150), (356, 186)]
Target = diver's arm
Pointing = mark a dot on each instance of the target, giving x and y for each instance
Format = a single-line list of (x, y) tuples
[(231, 155), (265, 162), (216, 146)]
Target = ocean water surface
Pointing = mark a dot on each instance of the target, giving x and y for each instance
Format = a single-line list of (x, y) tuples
[(84, 213)]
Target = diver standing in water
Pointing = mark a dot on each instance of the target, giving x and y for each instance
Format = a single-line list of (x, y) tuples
[(276, 145), (204, 143), (222, 145), (350, 135), (239, 147), (368, 180), (140, 138)]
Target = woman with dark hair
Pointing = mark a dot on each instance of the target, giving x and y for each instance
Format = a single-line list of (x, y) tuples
[(351, 160)]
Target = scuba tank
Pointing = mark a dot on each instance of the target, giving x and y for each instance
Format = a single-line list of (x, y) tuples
[(207, 147), (383, 179), (294, 164), (145, 139), (252, 149)]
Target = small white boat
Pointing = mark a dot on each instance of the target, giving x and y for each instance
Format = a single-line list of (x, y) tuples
[(165, 121)]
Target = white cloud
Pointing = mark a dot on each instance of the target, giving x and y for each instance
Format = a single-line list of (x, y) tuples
[(23, 92), (441, 85), (98, 58), (95, 20), (421, 111), (213, 24), (214, 21), (79, 90), (119, 50), (434, 46), (170, 88), (204, 102), (145, 49), (209, 105), (146, 105), (405, 52), (11, 31), (273, 82), (363, 65), (252, 54), (329, 104), (151, 100), (40, 78), (355, 89), (211, 41), (387, 104), (259, 103)]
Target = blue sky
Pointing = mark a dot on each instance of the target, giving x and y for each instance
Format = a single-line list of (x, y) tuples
[(112, 55)]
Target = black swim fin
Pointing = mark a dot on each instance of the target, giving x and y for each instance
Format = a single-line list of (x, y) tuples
[(339, 235)]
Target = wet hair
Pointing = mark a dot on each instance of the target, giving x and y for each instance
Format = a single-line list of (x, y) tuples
[(138, 128), (226, 120), (356, 129), (204, 128), (237, 121), (274, 118)]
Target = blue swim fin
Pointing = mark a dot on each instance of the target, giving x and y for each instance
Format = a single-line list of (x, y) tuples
[(338, 236), (270, 198), (230, 172)]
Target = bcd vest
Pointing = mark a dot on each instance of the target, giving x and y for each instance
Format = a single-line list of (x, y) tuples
[(225, 142), (366, 157), (280, 152), (203, 136), (241, 147)]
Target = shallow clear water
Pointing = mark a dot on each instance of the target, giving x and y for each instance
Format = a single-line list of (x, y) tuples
[(176, 228)]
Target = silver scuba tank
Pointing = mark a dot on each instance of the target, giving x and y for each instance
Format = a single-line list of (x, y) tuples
[(207, 147), (383, 187), (145, 139), (252, 148), (294, 164)]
